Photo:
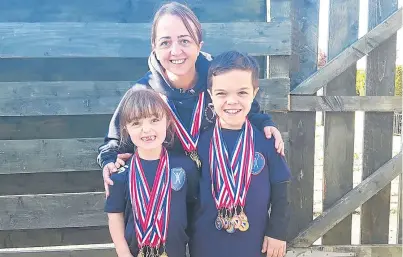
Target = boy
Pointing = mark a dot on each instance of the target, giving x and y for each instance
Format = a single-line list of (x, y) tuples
[(242, 175)]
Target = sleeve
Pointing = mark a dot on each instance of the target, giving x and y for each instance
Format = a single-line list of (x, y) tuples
[(280, 211), (280, 175), (116, 201), (259, 119), (109, 150)]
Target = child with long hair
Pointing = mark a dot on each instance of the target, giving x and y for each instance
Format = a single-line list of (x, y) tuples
[(148, 201)]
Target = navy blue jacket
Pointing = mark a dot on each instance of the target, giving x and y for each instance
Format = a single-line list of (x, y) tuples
[(184, 102)]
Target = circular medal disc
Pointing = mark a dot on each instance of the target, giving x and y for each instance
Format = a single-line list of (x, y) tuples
[(244, 226), (164, 254), (218, 223), (140, 254), (230, 228), (236, 221)]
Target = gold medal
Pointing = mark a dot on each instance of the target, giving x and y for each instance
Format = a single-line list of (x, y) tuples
[(244, 226), (164, 254), (195, 157)]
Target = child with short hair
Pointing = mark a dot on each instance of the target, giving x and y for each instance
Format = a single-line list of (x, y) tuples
[(242, 175), (149, 201)]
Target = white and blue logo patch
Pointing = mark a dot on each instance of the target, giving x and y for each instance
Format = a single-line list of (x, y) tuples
[(258, 163), (178, 177)]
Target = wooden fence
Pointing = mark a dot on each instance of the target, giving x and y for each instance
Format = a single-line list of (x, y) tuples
[(64, 65)]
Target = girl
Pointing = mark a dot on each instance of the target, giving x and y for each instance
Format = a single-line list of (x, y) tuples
[(148, 202), (178, 71), (242, 174)]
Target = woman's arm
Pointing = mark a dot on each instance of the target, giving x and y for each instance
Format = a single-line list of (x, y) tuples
[(264, 122), (117, 230)]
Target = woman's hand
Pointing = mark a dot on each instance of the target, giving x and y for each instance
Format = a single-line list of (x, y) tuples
[(113, 167), (270, 131), (273, 247)]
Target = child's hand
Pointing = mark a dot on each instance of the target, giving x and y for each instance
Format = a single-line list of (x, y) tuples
[(278, 140), (273, 247)]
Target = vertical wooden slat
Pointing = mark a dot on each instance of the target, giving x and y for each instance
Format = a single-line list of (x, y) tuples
[(279, 65), (339, 127), (378, 127), (305, 19), (400, 212)]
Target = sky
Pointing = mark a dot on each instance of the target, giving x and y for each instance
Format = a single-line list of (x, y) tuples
[(323, 29)]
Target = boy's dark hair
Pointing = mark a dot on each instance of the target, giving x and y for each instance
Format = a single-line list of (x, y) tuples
[(233, 60)]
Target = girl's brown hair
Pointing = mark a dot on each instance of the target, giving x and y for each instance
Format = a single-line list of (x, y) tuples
[(184, 13), (140, 103)]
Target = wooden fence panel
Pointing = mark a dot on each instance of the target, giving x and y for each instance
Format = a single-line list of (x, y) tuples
[(48, 155), (339, 127), (378, 127), (399, 231), (54, 237), (118, 40), (52, 211), (305, 20), (124, 11), (100, 97), (53, 127)]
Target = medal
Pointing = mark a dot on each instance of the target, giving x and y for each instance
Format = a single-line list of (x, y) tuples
[(231, 176), (151, 205), (141, 253), (230, 229), (218, 223), (244, 226), (188, 139), (236, 221), (195, 157), (164, 254)]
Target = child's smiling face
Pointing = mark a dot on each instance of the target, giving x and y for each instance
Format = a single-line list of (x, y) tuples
[(148, 133), (232, 94)]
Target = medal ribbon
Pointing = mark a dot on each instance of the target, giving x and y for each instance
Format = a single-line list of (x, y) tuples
[(150, 206), (190, 139), (231, 178)]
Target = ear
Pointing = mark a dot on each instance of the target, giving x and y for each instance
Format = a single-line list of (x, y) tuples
[(255, 92), (200, 46)]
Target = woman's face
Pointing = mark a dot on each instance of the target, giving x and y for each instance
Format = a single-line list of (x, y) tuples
[(174, 47)]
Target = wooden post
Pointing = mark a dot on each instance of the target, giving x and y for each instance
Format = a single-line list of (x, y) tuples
[(304, 18), (378, 127), (339, 127)]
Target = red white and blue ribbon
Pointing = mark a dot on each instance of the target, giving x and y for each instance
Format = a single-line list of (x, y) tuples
[(231, 176), (151, 206), (188, 139)]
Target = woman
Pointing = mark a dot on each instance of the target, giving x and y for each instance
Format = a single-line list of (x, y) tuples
[(178, 71)]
